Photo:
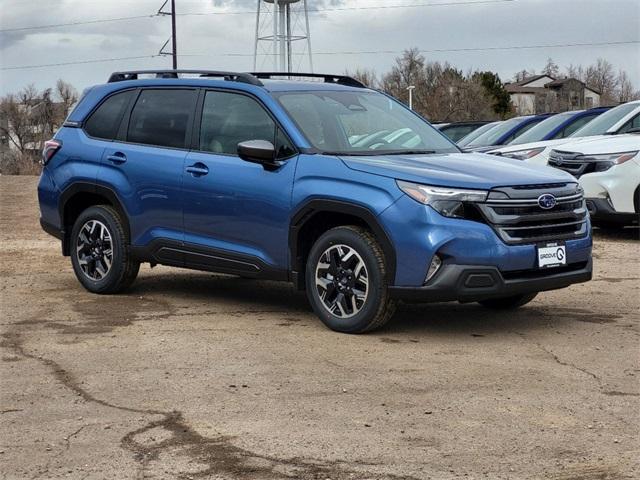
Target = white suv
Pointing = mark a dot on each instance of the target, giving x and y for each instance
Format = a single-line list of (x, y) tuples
[(621, 119), (608, 170)]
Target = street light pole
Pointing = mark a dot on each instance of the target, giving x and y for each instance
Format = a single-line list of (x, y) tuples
[(411, 88)]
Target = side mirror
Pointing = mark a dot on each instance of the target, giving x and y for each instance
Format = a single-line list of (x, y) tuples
[(258, 151)]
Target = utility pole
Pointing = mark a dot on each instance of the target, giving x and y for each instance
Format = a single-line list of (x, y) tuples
[(174, 42)]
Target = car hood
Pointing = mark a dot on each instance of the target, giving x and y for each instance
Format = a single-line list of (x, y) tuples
[(604, 144), (463, 170)]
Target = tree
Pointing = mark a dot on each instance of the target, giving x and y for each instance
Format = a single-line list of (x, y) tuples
[(67, 95), (523, 74), (551, 69), (409, 70), (602, 77), (625, 91), (494, 87)]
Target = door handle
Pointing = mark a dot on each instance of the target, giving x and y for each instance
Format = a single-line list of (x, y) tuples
[(198, 169), (117, 158)]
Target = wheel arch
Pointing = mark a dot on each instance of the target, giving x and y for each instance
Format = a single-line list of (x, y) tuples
[(79, 196), (319, 215)]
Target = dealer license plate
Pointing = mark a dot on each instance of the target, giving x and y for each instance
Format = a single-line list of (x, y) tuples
[(552, 256)]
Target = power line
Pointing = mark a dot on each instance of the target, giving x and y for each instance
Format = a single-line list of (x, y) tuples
[(360, 52), (78, 62), (244, 12), (83, 22), (434, 50), (368, 7)]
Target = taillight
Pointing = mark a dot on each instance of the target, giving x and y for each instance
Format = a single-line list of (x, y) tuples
[(50, 149)]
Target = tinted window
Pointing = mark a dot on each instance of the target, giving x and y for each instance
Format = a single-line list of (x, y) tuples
[(458, 132), (581, 122), (491, 136), (633, 123), (104, 122), (604, 122), (230, 118), (162, 118), (476, 133)]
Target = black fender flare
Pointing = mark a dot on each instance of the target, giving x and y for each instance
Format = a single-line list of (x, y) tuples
[(95, 189), (306, 212)]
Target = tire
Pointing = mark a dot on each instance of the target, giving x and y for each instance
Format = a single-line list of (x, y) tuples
[(97, 231), (508, 303), (348, 261)]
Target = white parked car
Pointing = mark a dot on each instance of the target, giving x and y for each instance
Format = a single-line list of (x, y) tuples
[(608, 169), (621, 119)]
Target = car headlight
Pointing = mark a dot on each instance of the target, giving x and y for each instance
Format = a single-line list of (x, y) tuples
[(446, 201), (614, 158), (523, 154)]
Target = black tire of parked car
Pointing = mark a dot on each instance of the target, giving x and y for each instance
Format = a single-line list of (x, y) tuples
[(378, 307), (508, 303), (123, 268)]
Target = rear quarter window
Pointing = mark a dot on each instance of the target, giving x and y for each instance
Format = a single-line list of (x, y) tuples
[(105, 120)]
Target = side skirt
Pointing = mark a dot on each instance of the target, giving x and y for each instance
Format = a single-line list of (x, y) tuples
[(197, 257)]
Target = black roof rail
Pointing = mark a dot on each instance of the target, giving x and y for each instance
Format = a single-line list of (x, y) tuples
[(328, 78), (229, 76)]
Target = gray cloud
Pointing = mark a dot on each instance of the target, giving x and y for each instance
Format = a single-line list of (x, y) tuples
[(206, 41)]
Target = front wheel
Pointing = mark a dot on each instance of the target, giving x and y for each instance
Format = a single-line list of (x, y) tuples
[(508, 303), (99, 251), (346, 281)]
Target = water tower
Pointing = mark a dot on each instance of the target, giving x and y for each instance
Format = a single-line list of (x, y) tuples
[(283, 38)]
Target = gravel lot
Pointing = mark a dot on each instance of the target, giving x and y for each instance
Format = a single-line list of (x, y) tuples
[(194, 375)]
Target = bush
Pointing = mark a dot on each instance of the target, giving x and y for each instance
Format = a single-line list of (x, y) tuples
[(14, 163)]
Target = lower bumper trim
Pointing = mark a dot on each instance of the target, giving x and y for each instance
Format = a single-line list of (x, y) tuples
[(471, 283), (601, 210), (51, 230)]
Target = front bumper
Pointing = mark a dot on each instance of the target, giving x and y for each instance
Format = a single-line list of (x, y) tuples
[(471, 283), (601, 210)]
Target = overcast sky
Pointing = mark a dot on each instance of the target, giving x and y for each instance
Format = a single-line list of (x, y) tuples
[(213, 41)]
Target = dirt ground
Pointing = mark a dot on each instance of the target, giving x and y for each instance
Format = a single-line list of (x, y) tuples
[(194, 375)]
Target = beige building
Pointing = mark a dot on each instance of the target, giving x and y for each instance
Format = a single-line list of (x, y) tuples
[(542, 94)]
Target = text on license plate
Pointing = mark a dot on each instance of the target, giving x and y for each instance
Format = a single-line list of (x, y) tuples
[(552, 256)]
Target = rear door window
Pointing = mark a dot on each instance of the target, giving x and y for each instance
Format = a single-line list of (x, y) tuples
[(162, 118), (104, 122)]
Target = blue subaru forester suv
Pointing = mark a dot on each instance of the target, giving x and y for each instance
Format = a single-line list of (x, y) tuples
[(311, 179)]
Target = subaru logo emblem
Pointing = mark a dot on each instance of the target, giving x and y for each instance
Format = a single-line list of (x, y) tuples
[(547, 201)]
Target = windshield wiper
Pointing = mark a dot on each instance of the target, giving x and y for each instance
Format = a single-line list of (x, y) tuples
[(372, 153), (408, 152)]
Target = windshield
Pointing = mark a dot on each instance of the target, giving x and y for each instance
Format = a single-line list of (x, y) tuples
[(601, 124), (542, 129), (361, 123), (463, 142), (492, 136)]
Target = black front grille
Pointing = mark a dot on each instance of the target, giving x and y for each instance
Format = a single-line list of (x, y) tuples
[(516, 216), (575, 163)]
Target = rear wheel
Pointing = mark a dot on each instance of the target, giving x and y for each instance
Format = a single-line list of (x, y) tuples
[(99, 253), (507, 303), (346, 281)]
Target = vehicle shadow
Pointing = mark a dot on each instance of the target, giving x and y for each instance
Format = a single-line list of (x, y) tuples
[(409, 320), (628, 233)]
